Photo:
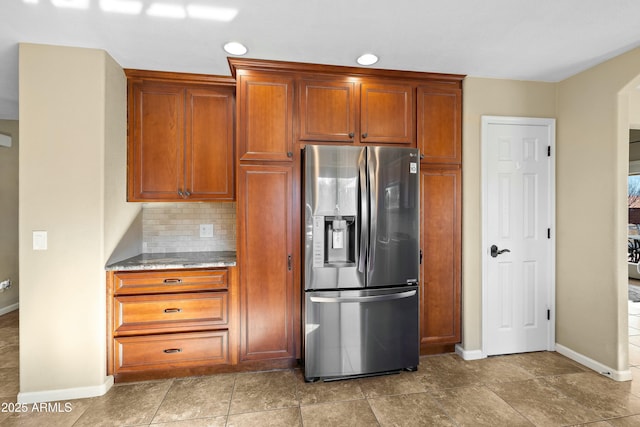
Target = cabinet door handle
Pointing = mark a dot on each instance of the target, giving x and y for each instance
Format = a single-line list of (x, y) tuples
[(289, 153), (172, 281), (364, 135), (172, 310), (351, 134), (289, 262), (172, 350), (187, 194), (180, 193)]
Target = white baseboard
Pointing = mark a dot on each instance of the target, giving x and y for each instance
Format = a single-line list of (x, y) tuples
[(66, 393), (469, 354), (9, 308), (592, 364)]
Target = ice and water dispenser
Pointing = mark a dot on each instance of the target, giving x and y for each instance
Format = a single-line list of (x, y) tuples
[(334, 241)]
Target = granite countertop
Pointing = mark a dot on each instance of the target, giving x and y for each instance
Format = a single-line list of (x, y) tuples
[(174, 260)]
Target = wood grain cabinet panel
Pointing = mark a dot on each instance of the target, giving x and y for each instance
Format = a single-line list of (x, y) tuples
[(439, 115), (440, 275), (265, 117), (169, 281), (156, 151), (162, 313), (209, 157), (387, 112), (328, 110), (164, 352), (265, 243), (351, 111), (181, 138)]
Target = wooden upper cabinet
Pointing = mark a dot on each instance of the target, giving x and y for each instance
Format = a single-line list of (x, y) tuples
[(156, 154), (352, 111), (328, 110), (180, 143), (209, 144), (387, 113), (265, 116), (439, 112)]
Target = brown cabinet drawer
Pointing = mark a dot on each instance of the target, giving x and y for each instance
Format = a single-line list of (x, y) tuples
[(170, 313), (171, 351), (166, 281)]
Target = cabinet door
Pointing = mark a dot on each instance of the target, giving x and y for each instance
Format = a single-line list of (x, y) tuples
[(439, 129), (156, 142), (209, 144), (386, 114), (265, 117), (265, 246), (440, 271), (327, 110)]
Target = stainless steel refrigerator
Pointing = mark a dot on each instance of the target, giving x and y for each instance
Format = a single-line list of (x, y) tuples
[(361, 261)]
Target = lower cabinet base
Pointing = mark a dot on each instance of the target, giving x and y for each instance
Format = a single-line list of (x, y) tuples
[(157, 374), (426, 350)]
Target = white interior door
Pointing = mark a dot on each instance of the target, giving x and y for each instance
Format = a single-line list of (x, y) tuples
[(518, 222)]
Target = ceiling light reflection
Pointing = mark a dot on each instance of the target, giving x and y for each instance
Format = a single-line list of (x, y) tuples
[(167, 10), (128, 7), (212, 13), (71, 4)]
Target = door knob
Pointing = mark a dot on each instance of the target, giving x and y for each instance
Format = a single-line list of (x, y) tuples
[(495, 252)]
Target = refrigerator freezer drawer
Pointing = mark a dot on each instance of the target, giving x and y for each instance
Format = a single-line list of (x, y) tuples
[(360, 332)]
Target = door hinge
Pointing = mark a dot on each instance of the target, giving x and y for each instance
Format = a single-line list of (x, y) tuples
[(420, 256), (289, 262), (548, 233), (548, 314), (548, 151)]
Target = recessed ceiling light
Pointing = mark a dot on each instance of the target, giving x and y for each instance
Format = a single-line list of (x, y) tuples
[(367, 59), (235, 48)]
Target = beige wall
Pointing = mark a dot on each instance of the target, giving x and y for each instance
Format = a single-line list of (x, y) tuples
[(594, 111), (494, 98), (72, 184), (592, 166), (9, 215), (634, 108)]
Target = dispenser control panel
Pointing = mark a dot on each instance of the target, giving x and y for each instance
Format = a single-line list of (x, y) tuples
[(318, 241)]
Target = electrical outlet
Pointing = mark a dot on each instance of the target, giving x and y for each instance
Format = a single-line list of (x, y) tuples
[(39, 240), (206, 230), (5, 284)]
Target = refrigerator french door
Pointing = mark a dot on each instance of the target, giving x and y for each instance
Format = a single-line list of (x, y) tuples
[(361, 261)]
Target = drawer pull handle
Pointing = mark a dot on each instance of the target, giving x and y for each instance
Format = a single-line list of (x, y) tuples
[(172, 350), (172, 281), (172, 310)]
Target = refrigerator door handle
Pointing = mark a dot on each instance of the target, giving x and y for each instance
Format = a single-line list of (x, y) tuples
[(372, 180), (363, 213), (386, 297)]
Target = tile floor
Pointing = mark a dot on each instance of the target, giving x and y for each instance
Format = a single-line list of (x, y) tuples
[(536, 389)]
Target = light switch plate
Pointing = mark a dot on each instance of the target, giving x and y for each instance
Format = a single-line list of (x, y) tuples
[(39, 240), (206, 230)]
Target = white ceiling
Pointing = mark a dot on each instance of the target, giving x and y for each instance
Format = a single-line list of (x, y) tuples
[(545, 40)]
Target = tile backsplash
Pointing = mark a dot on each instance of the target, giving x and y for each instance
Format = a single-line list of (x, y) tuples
[(175, 227)]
